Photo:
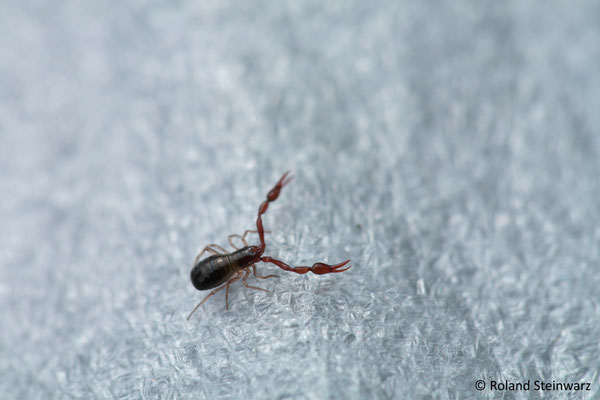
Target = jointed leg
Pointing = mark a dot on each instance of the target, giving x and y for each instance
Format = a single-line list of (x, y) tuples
[(247, 231), (231, 241), (206, 298), (243, 237), (246, 283), (317, 268), (210, 249), (229, 282), (260, 276)]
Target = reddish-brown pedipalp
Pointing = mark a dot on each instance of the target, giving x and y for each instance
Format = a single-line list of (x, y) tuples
[(223, 268)]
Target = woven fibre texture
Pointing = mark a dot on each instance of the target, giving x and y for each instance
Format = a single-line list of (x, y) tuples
[(449, 149)]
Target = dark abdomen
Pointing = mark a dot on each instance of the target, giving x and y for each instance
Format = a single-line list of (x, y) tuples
[(212, 272), (216, 270)]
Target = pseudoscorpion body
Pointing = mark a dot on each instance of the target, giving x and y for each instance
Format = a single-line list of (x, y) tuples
[(223, 268)]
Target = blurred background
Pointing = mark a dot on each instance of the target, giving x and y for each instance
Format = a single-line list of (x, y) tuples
[(451, 150)]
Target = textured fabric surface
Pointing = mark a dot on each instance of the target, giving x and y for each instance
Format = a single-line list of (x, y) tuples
[(451, 150)]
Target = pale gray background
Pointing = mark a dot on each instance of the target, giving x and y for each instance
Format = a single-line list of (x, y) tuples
[(450, 149)]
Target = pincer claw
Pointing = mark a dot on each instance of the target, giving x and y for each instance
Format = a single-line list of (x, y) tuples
[(322, 268), (285, 179)]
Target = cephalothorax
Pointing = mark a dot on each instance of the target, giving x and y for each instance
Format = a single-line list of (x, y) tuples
[(223, 268)]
